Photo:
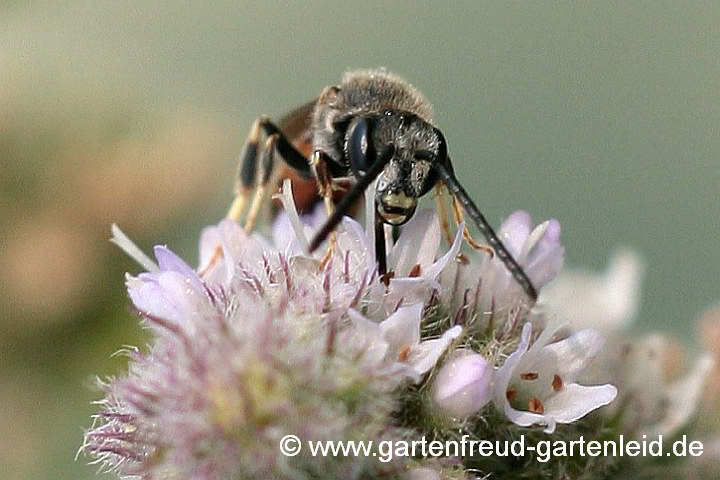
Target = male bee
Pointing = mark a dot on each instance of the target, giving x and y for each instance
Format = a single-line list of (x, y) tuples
[(372, 127)]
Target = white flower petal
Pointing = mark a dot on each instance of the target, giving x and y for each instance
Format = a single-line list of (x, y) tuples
[(224, 234), (527, 419), (502, 381), (514, 231), (167, 260), (221, 236), (451, 254), (167, 295), (286, 197), (409, 290), (424, 356), (504, 373), (543, 256), (354, 240), (418, 243), (682, 398), (575, 401), (366, 338), (283, 235), (576, 352), (402, 328), (566, 358), (235, 246)]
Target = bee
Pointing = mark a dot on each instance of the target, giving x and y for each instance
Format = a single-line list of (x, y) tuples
[(372, 127)]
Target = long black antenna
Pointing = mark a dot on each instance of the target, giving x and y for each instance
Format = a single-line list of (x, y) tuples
[(510, 263), (349, 199)]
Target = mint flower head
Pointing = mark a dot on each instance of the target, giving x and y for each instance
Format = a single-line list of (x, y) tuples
[(263, 340), (238, 362)]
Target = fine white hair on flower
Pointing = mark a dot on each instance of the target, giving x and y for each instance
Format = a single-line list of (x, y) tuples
[(256, 322), (537, 385), (290, 233), (264, 340)]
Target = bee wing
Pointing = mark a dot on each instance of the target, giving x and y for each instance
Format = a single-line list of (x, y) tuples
[(296, 127)]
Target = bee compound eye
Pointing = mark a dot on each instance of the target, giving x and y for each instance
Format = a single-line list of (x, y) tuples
[(360, 150)]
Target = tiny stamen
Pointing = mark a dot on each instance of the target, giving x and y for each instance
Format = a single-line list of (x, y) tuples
[(385, 278), (133, 251), (415, 271), (536, 405), (286, 198)]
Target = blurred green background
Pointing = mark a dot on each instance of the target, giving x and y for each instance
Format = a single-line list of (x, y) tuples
[(604, 115)]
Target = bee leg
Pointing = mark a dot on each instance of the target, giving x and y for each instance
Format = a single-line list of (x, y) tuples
[(247, 171), (245, 178), (319, 163), (244, 184), (278, 145), (285, 149), (442, 213), (461, 197), (247, 166), (460, 218), (266, 168)]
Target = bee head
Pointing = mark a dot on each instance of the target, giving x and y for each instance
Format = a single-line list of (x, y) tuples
[(409, 174)]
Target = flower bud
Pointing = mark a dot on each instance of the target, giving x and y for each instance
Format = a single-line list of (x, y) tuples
[(463, 385)]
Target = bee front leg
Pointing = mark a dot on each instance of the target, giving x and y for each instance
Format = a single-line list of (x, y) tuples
[(442, 213), (247, 166), (459, 219), (244, 185), (319, 163)]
